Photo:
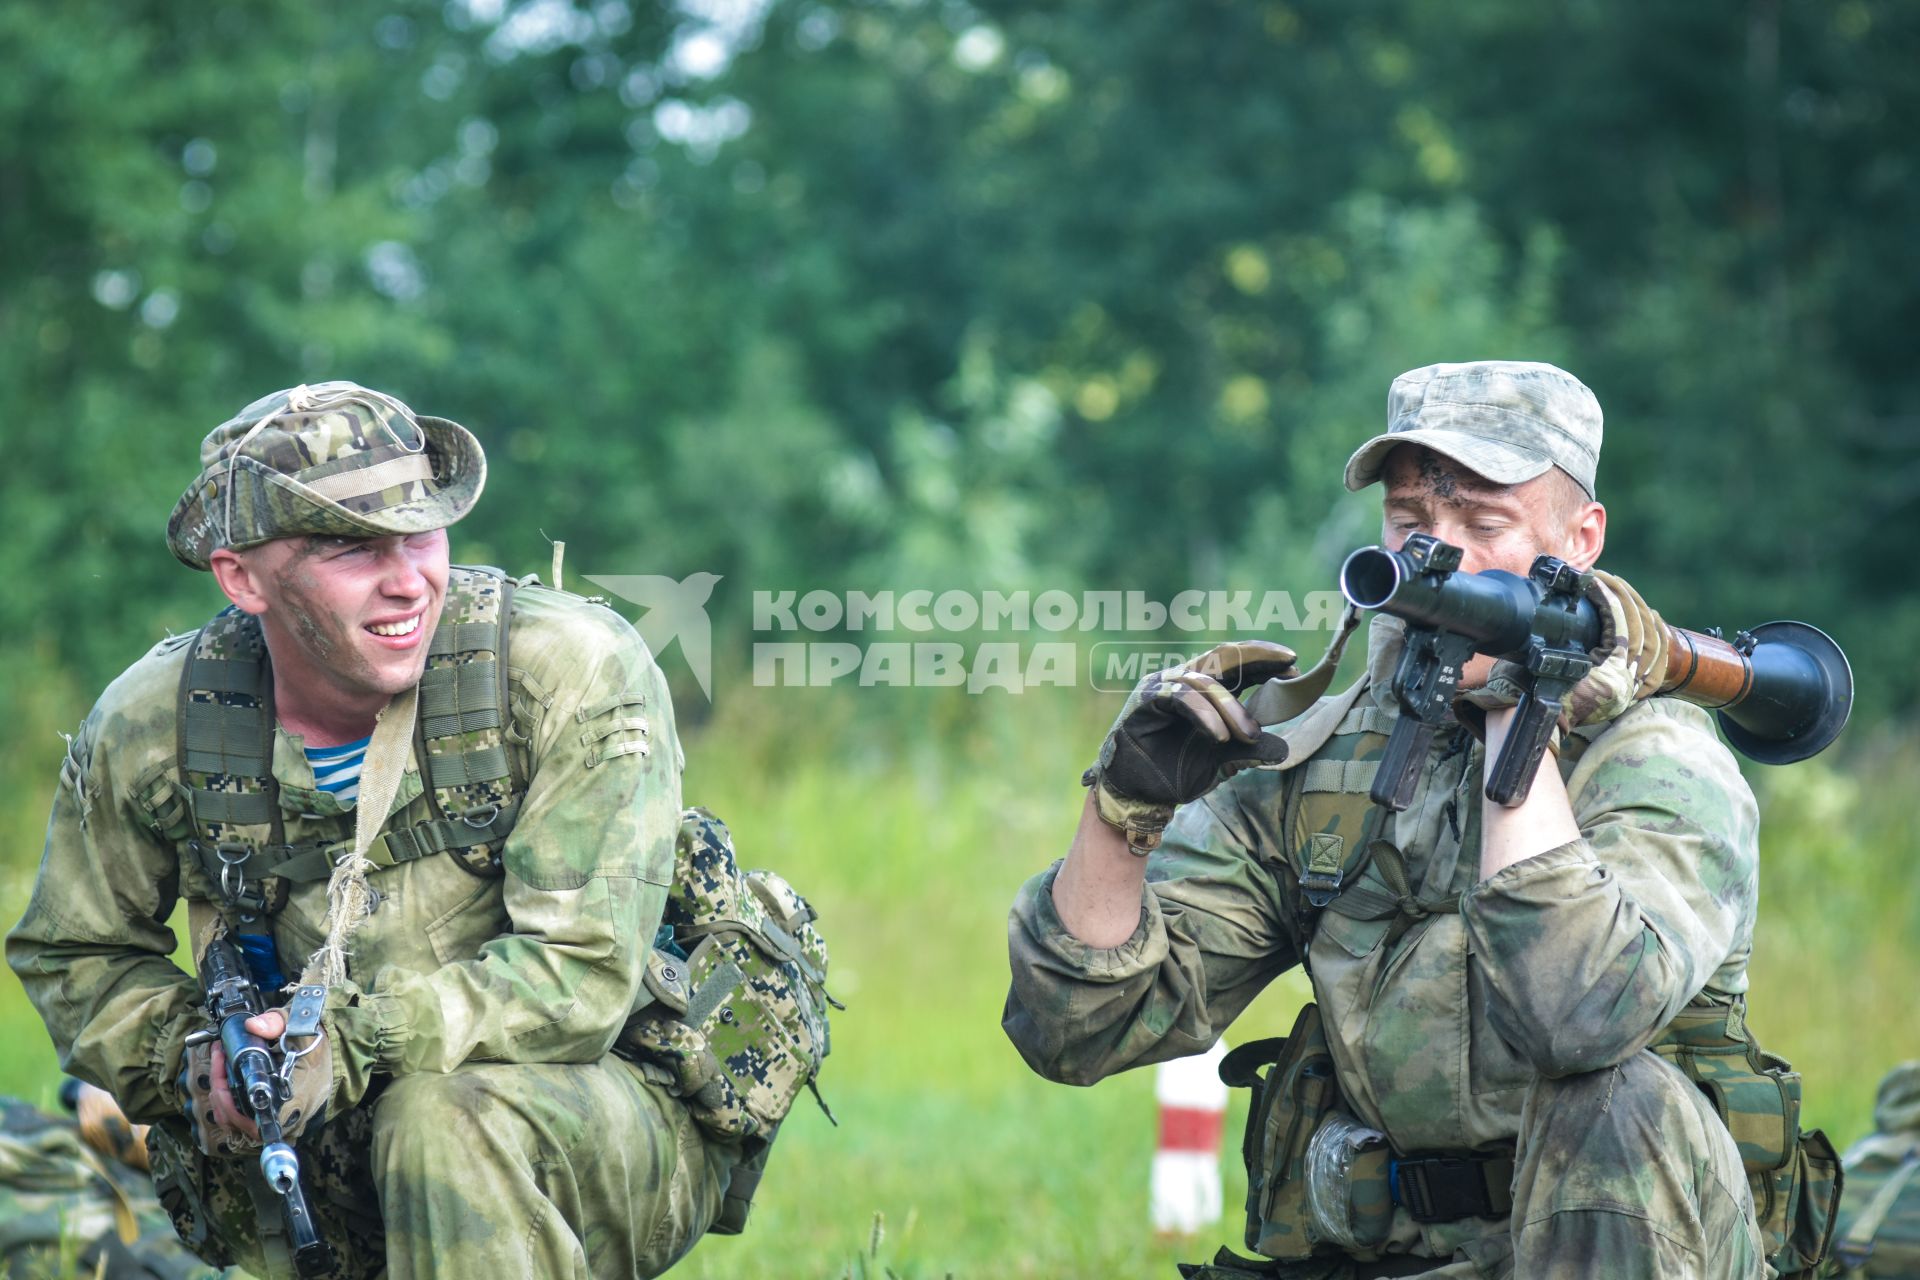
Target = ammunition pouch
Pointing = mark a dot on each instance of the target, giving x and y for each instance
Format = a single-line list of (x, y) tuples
[(1294, 1091), (1794, 1173)]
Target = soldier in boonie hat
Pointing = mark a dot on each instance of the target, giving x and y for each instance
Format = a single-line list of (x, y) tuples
[(426, 790), (1506, 420), (333, 458)]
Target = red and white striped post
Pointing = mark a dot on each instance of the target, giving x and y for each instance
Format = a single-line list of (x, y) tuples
[(1186, 1161)]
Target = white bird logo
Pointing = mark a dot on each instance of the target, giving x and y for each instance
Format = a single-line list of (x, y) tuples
[(674, 611)]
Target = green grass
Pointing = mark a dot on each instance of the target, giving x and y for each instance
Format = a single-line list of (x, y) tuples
[(911, 829)]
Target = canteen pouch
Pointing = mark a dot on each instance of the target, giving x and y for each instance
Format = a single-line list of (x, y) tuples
[(1294, 1091), (1349, 1187)]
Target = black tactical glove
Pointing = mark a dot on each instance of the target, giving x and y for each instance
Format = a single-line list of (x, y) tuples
[(1182, 731)]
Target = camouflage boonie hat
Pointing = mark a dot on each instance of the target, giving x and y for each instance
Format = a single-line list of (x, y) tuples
[(331, 458), (1507, 420), (1897, 1108)]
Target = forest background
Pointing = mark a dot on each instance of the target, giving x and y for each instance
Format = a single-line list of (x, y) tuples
[(970, 296)]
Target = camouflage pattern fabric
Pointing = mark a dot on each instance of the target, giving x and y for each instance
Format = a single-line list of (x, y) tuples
[(1507, 420), (1879, 1229), (744, 1028), (489, 1170), (66, 1209), (1477, 1012), (332, 458), (541, 965)]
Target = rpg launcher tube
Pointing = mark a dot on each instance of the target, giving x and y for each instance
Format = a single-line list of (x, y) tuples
[(1783, 691)]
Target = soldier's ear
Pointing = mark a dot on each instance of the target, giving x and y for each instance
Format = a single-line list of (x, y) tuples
[(1587, 534), (239, 578)]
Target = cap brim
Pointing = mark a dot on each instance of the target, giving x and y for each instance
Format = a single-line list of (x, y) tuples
[(1490, 459), (459, 476)]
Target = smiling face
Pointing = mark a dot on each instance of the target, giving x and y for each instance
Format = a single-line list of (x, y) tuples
[(347, 620)]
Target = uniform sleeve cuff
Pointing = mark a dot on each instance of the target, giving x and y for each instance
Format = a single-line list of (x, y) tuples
[(1145, 949), (368, 1033), (1563, 871)]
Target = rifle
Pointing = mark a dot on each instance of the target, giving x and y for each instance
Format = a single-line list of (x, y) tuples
[(260, 1085), (1783, 690)]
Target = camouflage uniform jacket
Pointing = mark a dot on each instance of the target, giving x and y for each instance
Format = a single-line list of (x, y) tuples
[(1566, 962), (541, 964)]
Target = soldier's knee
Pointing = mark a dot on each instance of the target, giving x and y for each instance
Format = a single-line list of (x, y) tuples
[(448, 1121)]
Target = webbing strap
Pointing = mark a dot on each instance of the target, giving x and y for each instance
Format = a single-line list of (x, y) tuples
[(307, 862), (1347, 777), (368, 480), (1366, 718), (719, 984), (460, 699), (1856, 1246), (226, 675), (462, 637), (223, 739), (1319, 725), (466, 768), (241, 808)]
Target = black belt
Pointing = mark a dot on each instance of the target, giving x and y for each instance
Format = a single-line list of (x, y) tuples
[(1447, 1186)]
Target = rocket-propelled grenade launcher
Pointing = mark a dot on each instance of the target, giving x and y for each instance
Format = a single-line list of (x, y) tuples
[(1783, 690)]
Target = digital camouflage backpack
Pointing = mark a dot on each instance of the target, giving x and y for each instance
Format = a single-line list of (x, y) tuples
[(1879, 1232), (737, 1023)]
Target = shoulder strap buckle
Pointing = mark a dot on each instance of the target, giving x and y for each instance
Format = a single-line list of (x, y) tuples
[(1321, 888)]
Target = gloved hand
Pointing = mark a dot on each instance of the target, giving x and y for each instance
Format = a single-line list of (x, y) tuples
[(1634, 645), (1182, 731), (218, 1118), (104, 1127)]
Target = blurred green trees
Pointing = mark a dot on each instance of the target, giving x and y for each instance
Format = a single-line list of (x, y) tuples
[(905, 294)]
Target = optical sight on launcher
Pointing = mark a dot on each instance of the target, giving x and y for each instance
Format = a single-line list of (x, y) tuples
[(1783, 690)]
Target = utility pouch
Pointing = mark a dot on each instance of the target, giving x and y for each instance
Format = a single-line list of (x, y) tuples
[(740, 1024), (1794, 1173), (1294, 1090)]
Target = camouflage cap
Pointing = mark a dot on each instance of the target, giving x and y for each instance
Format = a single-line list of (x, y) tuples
[(1507, 420), (1897, 1108), (331, 458)]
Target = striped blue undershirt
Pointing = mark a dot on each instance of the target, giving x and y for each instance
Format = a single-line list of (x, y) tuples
[(336, 770)]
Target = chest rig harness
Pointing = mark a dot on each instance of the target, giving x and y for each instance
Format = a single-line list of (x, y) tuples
[(1334, 853), (225, 755)]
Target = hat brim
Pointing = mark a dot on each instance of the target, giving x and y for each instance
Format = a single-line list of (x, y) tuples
[(1492, 460), (459, 476)]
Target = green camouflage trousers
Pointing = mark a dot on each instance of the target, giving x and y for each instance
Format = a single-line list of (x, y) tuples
[(487, 1170), (1625, 1173)]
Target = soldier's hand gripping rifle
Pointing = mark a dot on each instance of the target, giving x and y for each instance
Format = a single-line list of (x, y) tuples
[(260, 1077), (1783, 690)]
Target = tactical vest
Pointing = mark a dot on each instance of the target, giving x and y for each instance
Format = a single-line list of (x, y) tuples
[(1336, 857), (225, 755)]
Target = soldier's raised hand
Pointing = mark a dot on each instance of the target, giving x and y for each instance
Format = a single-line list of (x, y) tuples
[(1181, 732)]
